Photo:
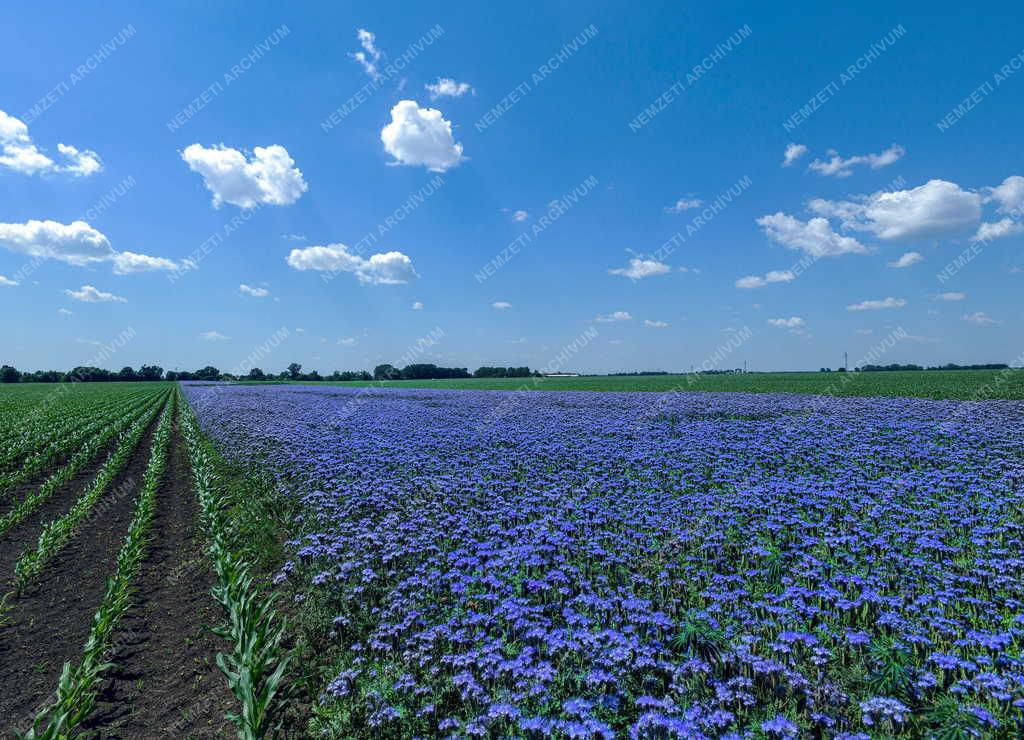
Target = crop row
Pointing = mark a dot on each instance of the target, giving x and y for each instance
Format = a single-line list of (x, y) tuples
[(44, 429), (256, 666), (57, 533), (92, 447), (76, 690)]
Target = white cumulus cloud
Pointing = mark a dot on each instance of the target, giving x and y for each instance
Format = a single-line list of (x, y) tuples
[(640, 267), (80, 163), (1009, 194), (445, 87), (77, 244), (129, 262), (501, 305), (815, 237), (269, 177), (999, 229), (520, 216), (420, 137), (791, 323), (389, 268), (654, 324), (19, 153), (952, 296), (793, 153), (838, 167), (213, 336), (89, 294), (615, 316), (937, 208), (906, 260), (875, 305), (417, 306)]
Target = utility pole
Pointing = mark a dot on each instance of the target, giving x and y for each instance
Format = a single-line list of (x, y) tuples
[(744, 367), (846, 361)]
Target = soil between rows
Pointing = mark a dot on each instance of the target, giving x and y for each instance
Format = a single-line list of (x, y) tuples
[(17, 538), (10, 497), (50, 622), (165, 682)]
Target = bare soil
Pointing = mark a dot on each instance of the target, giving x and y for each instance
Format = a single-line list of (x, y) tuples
[(165, 682), (49, 623)]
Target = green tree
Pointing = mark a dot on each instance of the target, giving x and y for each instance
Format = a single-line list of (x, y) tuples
[(294, 370), (9, 374), (150, 372), (386, 372)]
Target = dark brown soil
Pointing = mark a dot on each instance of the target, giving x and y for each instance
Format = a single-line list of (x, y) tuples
[(49, 624), (165, 682), (13, 495), (14, 541)]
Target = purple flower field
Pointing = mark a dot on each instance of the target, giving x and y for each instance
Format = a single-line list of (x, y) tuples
[(591, 565)]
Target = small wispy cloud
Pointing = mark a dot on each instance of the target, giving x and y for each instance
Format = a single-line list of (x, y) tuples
[(980, 318), (793, 153), (684, 204), (906, 260), (253, 292), (640, 267), (446, 87), (772, 276), (875, 305), (89, 294), (370, 54)]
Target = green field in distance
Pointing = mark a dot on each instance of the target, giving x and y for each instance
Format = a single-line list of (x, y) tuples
[(953, 384)]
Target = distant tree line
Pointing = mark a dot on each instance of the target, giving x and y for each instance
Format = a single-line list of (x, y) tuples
[(502, 372), (636, 373), (420, 371), (911, 367), (81, 374)]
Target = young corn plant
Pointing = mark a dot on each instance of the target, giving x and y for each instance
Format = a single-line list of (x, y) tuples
[(68, 434), (90, 449), (58, 533), (76, 689), (256, 667)]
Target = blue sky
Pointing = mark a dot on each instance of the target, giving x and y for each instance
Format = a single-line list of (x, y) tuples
[(639, 121)]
